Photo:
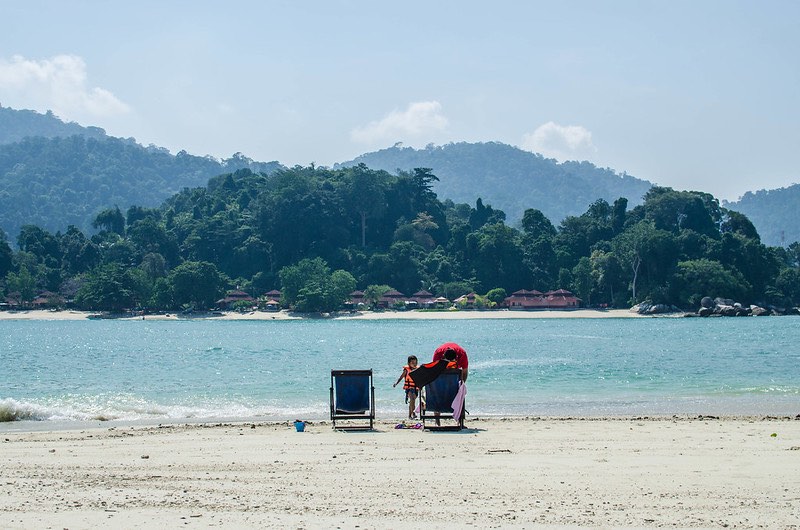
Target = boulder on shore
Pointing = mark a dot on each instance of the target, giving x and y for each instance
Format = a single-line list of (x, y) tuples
[(649, 308), (725, 307)]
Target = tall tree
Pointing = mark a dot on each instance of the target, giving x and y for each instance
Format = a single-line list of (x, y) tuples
[(366, 193), (196, 283), (631, 246), (6, 255), (109, 287), (536, 225), (110, 219)]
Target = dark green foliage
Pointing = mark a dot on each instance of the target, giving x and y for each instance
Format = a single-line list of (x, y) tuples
[(192, 284), (110, 220), (311, 287), (110, 287), (698, 278), (79, 254), (6, 255), (787, 285), (291, 228), (496, 296), (536, 225), (21, 285), (496, 255)]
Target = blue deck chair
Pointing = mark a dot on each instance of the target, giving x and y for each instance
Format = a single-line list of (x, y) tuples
[(352, 398), (438, 402)]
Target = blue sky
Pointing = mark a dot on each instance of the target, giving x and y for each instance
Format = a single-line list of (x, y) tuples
[(700, 95)]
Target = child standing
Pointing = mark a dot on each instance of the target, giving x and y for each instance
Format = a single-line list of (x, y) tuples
[(411, 389)]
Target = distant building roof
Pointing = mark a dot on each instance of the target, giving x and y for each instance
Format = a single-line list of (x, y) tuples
[(523, 292), (239, 295)]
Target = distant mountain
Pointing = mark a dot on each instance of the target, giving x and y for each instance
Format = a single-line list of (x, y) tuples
[(18, 124), (773, 212), (56, 175), (511, 179)]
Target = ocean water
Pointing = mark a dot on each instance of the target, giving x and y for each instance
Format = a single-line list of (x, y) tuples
[(85, 372)]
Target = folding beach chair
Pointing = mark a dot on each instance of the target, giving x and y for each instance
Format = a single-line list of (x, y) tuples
[(352, 398), (438, 402)]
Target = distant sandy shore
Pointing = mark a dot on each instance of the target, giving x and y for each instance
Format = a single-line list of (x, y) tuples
[(367, 315), (517, 473)]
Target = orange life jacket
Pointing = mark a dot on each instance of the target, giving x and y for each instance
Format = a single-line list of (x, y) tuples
[(409, 383)]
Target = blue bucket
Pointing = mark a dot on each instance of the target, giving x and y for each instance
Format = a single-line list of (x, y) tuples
[(300, 426)]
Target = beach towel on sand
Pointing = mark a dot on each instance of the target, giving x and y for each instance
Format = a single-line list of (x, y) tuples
[(428, 372), (458, 402)]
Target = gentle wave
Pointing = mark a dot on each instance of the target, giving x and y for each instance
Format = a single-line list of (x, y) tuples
[(172, 371), (522, 362), (771, 390), (95, 408), (13, 410)]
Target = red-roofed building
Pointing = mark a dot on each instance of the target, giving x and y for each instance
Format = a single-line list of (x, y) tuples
[(525, 300), (423, 298), (390, 298), (356, 300), (274, 294), (48, 299), (234, 296), (467, 301)]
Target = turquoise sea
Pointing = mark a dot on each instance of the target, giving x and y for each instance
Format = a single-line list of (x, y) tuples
[(84, 372)]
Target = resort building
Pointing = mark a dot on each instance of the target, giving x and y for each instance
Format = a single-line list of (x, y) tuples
[(423, 299), (356, 301), (466, 301), (528, 300), (232, 297), (274, 294), (391, 298)]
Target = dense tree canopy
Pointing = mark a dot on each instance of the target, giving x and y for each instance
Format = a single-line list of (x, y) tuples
[(319, 233)]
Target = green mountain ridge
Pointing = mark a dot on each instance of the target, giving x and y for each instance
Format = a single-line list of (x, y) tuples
[(15, 125), (772, 212), (54, 174), (509, 178)]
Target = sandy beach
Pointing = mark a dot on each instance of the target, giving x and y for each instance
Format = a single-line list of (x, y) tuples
[(367, 315), (516, 473)]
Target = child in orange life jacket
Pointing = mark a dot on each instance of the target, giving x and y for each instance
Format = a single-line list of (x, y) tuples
[(411, 389)]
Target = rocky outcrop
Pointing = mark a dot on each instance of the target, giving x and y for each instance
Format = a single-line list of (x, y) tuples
[(716, 307), (725, 307), (649, 308)]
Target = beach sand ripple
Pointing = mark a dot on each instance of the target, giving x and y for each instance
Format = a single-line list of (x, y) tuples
[(526, 473)]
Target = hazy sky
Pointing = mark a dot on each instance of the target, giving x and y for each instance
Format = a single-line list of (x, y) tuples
[(701, 95)]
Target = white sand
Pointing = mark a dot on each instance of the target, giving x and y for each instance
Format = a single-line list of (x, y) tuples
[(367, 315), (609, 473)]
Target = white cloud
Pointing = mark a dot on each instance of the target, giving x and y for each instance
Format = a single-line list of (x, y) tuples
[(562, 142), (419, 120), (58, 84)]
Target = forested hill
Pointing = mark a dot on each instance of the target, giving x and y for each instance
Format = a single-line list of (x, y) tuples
[(18, 124), (57, 181), (773, 212), (511, 179)]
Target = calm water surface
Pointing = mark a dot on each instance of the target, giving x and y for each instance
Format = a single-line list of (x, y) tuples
[(85, 371)]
